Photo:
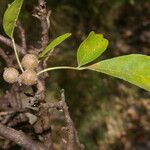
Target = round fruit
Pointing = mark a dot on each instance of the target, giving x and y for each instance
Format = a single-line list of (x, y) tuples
[(10, 75), (29, 77), (30, 61)]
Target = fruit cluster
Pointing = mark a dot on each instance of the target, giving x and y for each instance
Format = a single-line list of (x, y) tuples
[(28, 77)]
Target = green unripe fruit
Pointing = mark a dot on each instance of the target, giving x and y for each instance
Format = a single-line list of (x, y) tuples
[(29, 77), (10, 75), (30, 61)]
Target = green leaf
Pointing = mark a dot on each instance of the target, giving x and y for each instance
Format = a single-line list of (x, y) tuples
[(92, 47), (134, 68), (11, 16), (54, 43)]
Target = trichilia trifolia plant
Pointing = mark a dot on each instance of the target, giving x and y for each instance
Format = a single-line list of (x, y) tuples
[(32, 71)]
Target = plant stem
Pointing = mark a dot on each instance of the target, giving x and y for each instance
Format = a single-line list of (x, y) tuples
[(16, 54), (59, 68)]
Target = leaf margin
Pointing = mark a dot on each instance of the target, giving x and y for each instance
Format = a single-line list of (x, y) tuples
[(141, 81), (6, 22), (52, 44), (80, 58)]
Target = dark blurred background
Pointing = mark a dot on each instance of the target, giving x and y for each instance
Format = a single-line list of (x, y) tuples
[(109, 114)]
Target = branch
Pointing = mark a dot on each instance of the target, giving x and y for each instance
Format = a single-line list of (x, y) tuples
[(44, 23), (57, 105), (17, 110), (9, 43), (42, 125), (20, 138), (43, 17), (5, 57), (22, 35), (45, 61), (73, 141)]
